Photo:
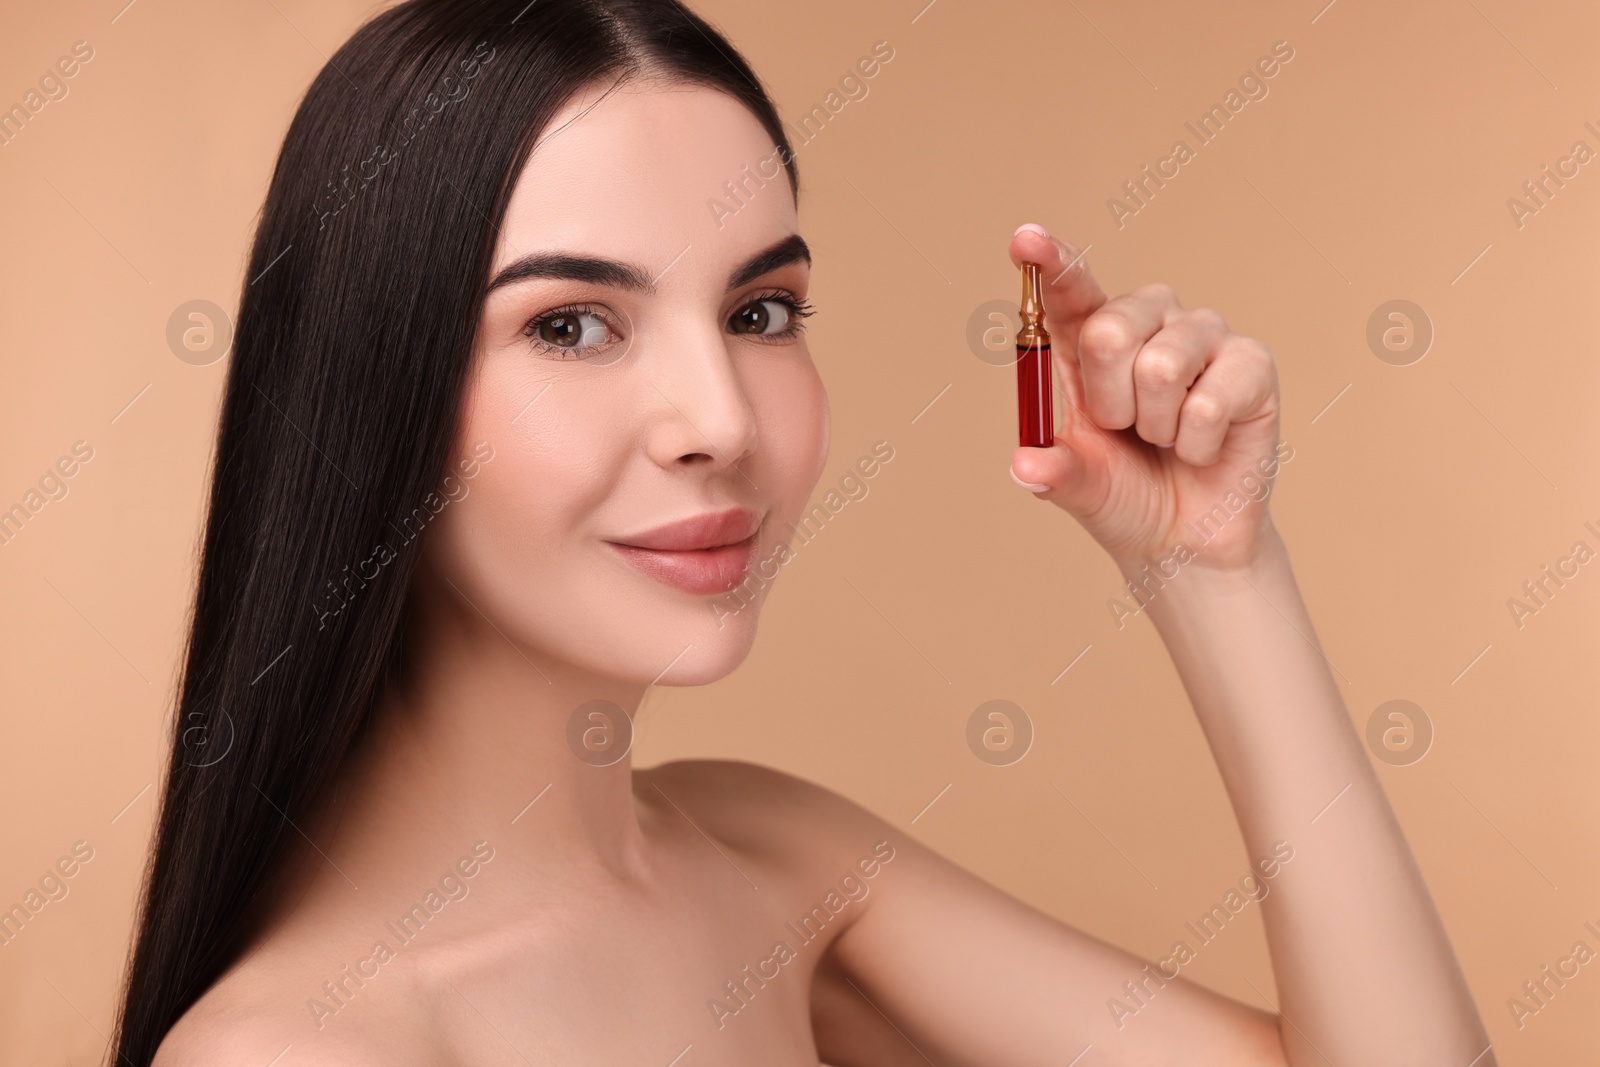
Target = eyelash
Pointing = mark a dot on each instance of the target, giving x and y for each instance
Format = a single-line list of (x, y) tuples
[(798, 310), (798, 313), (531, 328)]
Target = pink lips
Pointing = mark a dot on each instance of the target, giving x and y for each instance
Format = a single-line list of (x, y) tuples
[(704, 555)]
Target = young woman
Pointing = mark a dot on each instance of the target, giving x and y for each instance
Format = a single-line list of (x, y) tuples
[(508, 413)]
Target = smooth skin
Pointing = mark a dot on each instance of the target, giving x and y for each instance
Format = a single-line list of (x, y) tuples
[(618, 903)]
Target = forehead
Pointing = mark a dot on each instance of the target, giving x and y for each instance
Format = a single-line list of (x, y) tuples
[(633, 173)]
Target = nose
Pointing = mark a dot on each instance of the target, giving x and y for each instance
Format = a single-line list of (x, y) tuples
[(703, 413)]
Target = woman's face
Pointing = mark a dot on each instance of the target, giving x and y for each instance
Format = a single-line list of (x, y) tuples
[(618, 399)]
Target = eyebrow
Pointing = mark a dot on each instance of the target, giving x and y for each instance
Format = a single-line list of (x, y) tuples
[(611, 272)]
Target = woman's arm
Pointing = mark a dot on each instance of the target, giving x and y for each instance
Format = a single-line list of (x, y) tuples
[(1364, 969), (1165, 453)]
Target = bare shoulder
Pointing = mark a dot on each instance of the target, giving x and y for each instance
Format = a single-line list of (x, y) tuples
[(215, 1033), (202, 1040), (736, 792), (256, 1015), (749, 803)]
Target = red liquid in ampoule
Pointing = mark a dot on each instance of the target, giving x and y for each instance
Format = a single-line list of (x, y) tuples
[(1036, 421)]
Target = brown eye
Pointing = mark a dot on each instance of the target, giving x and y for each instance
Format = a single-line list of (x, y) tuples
[(761, 316), (562, 330), (569, 330)]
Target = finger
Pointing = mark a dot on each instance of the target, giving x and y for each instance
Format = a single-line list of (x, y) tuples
[(1064, 360), (1107, 344), (1070, 291), (1075, 478), (1167, 365), (1239, 384)]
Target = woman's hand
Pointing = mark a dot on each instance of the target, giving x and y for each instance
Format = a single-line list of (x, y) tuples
[(1171, 417)]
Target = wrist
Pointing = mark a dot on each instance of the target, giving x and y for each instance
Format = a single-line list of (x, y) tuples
[(1184, 572)]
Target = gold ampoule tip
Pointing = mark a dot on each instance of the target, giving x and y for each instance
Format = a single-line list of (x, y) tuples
[(1032, 290)]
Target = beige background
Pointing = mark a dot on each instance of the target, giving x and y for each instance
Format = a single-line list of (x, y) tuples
[(1415, 505)]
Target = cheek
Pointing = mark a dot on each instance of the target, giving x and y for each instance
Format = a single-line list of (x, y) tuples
[(795, 431), (555, 462), (523, 544)]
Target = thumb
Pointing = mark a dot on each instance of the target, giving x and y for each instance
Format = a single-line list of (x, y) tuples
[(1073, 473)]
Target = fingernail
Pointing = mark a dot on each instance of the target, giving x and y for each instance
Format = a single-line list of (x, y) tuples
[(1032, 226), (1031, 486)]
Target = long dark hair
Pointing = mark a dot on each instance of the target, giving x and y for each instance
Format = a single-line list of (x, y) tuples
[(355, 327)]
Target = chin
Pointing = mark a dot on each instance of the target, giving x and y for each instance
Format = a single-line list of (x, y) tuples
[(629, 628), (710, 661), (667, 648), (702, 639)]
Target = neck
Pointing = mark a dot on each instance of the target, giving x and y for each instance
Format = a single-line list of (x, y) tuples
[(477, 742)]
